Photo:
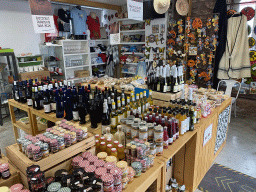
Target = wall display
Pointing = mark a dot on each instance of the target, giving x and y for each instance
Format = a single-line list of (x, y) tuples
[(200, 46), (222, 128), (249, 12)]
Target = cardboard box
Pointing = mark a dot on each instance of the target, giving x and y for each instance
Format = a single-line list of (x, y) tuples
[(22, 161), (15, 174), (82, 73), (34, 75)]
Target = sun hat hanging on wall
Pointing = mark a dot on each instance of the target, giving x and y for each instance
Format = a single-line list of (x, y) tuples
[(161, 6), (182, 7)]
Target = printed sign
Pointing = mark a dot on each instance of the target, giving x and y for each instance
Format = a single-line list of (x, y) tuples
[(135, 9), (207, 134), (42, 16)]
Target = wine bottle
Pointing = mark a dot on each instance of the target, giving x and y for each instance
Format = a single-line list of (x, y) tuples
[(68, 106), (29, 96), (114, 117), (105, 118), (46, 102), (168, 79), (37, 99), (93, 114), (15, 91), (175, 80), (75, 109), (81, 110), (59, 105), (53, 101)]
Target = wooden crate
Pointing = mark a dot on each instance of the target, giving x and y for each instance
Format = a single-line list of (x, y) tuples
[(15, 174), (50, 173), (22, 161)]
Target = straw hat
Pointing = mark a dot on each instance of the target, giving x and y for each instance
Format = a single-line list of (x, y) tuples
[(161, 6), (182, 7)]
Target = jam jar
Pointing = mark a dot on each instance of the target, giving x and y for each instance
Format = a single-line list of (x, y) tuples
[(137, 168), (108, 182)]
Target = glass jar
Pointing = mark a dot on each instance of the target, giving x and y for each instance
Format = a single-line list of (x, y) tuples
[(125, 182), (128, 149), (54, 146), (67, 140), (150, 132), (137, 168), (123, 166), (129, 129), (100, 171), (143, 165), (131, 174), (109, 147), (158, 134), (108, 182), (99, 163), (117, 174), (5, 171), (73, 138), (109, 166), (103, 147), (102, 156), (109, 141), (86, 155), (61, 143), (29, 151), (152, 149), (111, 159), (143, 133), (92, 159), (114, 152), (123, 123), (120, 152), (97, 145), (37, 154), (159, 149), (135, 131), (151, 159), (115, 144), (134, 151)]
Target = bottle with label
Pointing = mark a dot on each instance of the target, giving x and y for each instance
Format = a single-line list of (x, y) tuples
[(75, 111), (108, 135), (21, 93), (29, 96), (37, 100), (53, 101), (157, 79), (68, 106), (119, 111), (124, 108), (15, 91), (46, 102), (128, 107), (109, 105), (114, 118), (175, 80), (119, 135), (59, 106), (133, 106), (138, 104), (168, 79), (81, 110), (105, 118), (93, 114)]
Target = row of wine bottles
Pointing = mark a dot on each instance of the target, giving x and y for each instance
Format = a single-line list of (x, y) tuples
[(75, 103), (166, 79)]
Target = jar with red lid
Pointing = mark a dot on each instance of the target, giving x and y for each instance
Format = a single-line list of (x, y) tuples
[(83, 164), (118, 188), (29, 151), (38, 182), (90, 169), (102, 139), (100, 171), (109, 166), (108, 182), (67, 140), (5, 171), (30, 172), (75, 161), (92, 159), (99, 163), (37, 154), (117, 174), (103, 146), (54, 146), (86, 155)]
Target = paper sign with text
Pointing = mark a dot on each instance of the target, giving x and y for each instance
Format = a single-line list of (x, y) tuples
[(115, 39), (135, 9), (43, 24), (207, 134)]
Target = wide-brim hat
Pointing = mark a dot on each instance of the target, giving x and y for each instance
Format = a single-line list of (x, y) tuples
[(161, 6), (182, 7)]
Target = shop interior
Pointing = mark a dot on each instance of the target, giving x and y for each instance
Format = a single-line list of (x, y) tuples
[(127, 95)]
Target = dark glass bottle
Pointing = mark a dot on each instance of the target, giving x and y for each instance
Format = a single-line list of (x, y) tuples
[(22, 93), (53, 101), (46, 103), (15, 91), (37, 100), (75, 109), (29, 96), (81, 110), (59, 106), (105, 118), (68, 106), (93, 114)]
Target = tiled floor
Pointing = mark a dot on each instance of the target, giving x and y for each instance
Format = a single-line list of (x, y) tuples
[(238, 154)]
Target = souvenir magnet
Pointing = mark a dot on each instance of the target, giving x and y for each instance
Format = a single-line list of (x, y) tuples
[(203, 58), (200, 44), (248, 12), (197, 23), (210, 56), (161, 50), (148, 21), (209, 23)]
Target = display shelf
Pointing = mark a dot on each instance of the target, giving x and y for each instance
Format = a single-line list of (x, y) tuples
[(132, 43), (70, 40), (99, 40), (97, 52), (98, 64), (127, 19), (74, 54), (132, 53), (79, 66), (31, 61), (129, 72), (29, 56), (133, 31), (24, 127)]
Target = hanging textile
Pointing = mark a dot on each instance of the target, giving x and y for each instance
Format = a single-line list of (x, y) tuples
[(221, 8), (235, 62)]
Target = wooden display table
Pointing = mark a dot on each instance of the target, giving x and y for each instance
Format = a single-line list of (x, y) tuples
[(15, 174)]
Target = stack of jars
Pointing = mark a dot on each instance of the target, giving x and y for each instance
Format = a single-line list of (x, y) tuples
[(36, 179), (112, 148), (4, 171), (53, 140)]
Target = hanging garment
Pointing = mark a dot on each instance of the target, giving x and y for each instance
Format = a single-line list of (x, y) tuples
[(50, 36), (235, 62), (64, 18), (110, 67), (221, 9), (94, 27), (79, 18)]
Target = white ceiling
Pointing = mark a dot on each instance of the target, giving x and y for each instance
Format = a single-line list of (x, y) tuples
[(113, 2)]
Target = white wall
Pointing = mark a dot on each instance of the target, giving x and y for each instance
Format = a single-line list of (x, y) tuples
[(16, 28)]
